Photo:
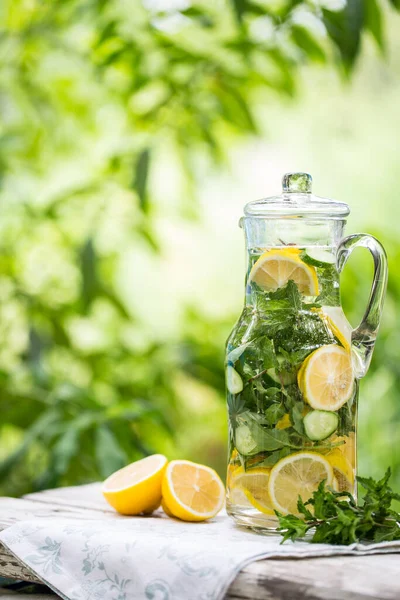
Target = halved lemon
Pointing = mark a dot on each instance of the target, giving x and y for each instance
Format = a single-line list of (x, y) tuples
[(297, 475), (342, 470), (166, 509), (192, 492), (275, 268), (136, 488), (253, 484), (326, 377)]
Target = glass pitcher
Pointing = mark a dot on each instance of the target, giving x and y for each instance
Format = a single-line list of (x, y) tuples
[(293, 362)]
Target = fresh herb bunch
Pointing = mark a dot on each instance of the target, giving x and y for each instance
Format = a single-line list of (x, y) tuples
[(335, 518), (273, 337)]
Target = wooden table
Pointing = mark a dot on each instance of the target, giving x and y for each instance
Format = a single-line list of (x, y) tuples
[(336, 578)]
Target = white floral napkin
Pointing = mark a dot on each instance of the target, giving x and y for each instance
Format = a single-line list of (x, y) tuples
[(153, 558)]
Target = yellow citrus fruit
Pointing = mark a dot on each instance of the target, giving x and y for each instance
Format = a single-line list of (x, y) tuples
[(166, 509), (192, 492), (234, 464), (254, 485), (342, 470), (348, 448), (236, 493), (338, 324), (326, 378), (284, 422), (276, 267), (298, 474), (136, 488), (335, 484)]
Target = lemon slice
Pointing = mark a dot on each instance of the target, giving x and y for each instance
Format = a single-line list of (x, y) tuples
[(237, 496), (348, 448), (275, 268), (192, 492), (342, 470), (326, 377), (136, 488), (297, 475), (254, 485), (284, 422), (338, 324), (234, 492)]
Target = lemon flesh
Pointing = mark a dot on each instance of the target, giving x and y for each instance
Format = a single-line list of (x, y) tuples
[(326, 378), (192, 492), (342, 469), (275, 268), (253, 484), (297, 475)]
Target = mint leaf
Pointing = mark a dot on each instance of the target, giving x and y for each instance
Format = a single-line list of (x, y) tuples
[(274, 413), (330, 294), (291, 527), (273, 439), (335, 518)]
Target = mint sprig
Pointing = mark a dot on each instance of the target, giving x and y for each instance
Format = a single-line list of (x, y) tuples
[(335, 517)]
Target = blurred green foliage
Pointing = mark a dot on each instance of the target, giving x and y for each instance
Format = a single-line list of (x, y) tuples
[(89, 92)]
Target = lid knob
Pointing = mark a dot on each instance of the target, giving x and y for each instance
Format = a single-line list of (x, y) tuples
[(297, 183)]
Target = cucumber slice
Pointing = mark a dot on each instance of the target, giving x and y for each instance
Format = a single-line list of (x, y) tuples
[(320, 424), (236, 353), (234, 382), (244, 440), (318, 257)]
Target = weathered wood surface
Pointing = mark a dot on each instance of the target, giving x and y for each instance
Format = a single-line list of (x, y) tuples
[(375, 577)]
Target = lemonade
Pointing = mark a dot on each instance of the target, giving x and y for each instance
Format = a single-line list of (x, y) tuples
[(291, 390)]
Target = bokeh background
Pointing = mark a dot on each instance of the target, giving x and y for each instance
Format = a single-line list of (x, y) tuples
[(131, 135)]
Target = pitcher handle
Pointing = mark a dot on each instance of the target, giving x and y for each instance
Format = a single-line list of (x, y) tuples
[(364, 336)]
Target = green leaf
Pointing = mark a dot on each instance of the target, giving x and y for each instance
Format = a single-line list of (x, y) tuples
[(301, 507), (235, 108), (373, 21), (205, 20), (274, 413), (303, 38), (272, 439), (109, 455), (90, 283), (395, 4), (266, 349), (239, 6), (116, 302), (330, 294), (344, 27), (141, 177), (267, 440), (236, 406), (291, 527), (34, 433), (336, 518), (296, 416), (66, 448), (268, 460)]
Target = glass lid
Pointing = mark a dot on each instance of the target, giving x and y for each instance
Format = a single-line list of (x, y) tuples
[(296, 201)]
